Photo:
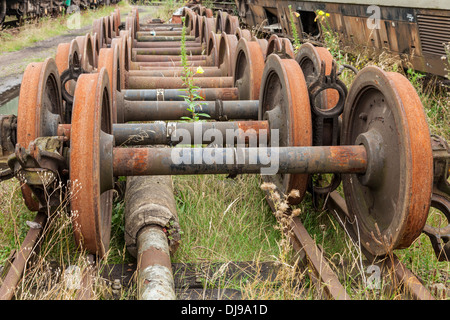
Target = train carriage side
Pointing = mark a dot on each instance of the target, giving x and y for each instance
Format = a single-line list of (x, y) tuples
[(417, 30)]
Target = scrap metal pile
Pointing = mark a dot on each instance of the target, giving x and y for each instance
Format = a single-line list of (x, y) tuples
[(107, 106)]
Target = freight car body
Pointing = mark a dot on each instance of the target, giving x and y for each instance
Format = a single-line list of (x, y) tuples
[(416, 30), (38, 8)]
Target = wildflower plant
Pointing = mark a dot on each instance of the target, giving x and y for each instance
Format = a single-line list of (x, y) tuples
[(294, 29), (330, 37), (191, 97)]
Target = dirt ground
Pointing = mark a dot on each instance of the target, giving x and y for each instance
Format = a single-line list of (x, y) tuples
[(13, 64)]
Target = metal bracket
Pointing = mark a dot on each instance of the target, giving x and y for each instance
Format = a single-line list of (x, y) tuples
[(39, 166), (326, 123), (72, 73), (440, 200), (8, 138)]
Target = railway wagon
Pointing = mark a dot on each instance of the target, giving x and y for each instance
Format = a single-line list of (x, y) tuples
[(38, 8), (415, 30)]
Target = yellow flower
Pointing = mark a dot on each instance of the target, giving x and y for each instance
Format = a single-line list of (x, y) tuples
[(297, 14), (327, 14), (200, 70), (321, 13)]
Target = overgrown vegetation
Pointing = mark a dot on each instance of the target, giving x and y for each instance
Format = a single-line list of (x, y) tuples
[(48, 27), (192, 98)]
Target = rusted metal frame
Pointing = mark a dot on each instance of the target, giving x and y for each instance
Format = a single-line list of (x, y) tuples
[(162, 133), (440, 200), (404, 31), (328, 279), (411, 283), (8, 138), (207, 94), (30, 245), (306, 247), (174, 110), (180, 161)]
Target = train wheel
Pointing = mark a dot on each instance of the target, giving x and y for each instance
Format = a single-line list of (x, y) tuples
[(284, 102), (310, 59), (109, 59), (390, 202), (248, 70), (91, 204), (40, 109)]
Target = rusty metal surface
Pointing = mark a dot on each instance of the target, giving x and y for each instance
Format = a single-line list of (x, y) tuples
[(40, 108), (91, 206), (208, 94), (249, 67), (154, 271), (175, 72), (161, 161), (415, 35), (167, 51), (227, 53), (165, 58), (175, 110), (177, 83), (149, 200), (392, 202), (8, 137), (284, 101), (173, 133)]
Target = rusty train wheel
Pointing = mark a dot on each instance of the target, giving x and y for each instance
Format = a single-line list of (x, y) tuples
[(213, 45), (119, 43), (227, 51), (393, 196), (87, 49), (135, 14), (310, 59), (248, 70), (91, 204), (243, 33), (40, 109), (263, 43), (207, 28), (273, 45), (109, 59), (284, 102), (64, 53), (231, 24)]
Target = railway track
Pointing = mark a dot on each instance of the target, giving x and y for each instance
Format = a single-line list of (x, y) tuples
[(74, 121)]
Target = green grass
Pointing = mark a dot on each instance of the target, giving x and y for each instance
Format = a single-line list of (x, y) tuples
[(224, 219), (50, 27)]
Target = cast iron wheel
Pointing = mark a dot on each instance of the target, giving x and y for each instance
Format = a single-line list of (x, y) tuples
[(284, 102), (91, 163), (390, 202)]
